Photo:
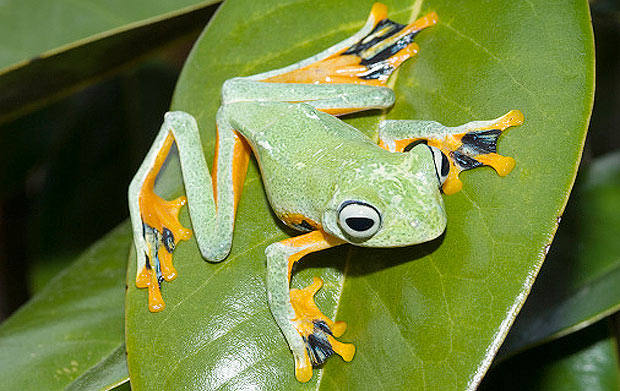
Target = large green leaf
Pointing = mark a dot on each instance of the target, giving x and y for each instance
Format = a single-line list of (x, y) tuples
[(49, 48), (579, 282), (584, 361), (33, 28), (71, 324), (423, 317)]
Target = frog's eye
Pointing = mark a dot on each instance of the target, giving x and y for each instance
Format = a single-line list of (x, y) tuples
[(359, 219), (442, 165)]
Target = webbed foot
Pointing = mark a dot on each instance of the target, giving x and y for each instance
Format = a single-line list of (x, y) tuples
[(162, 231), (476, 146), (318, 332), (465, 147), (363, 59)]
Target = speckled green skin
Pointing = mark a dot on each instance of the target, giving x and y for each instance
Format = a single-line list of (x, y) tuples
[(311, 162)]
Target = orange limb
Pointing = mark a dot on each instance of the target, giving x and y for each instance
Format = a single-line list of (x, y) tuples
[(311, 242), (305, 308), (511, 118), (157, 212), (501, 164), (148, 279), (299, 221)]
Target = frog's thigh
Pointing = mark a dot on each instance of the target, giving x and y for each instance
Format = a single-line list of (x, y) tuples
[(213, 212), (467, 146), (310, 334), (335, 99)]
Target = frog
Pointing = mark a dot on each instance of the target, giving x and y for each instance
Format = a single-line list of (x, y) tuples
[(322, 177)]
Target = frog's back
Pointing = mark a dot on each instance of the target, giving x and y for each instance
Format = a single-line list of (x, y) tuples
[(286, 124), (292, 134), (301, 152)]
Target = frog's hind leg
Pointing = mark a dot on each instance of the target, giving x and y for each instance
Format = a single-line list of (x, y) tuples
[(368, 57), (348, 77), (155, 221), (310, 334), (463, 147)]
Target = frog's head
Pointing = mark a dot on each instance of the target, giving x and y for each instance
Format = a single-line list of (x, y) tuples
[(391, 203)]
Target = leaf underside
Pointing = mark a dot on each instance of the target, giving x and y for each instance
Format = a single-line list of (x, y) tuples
[(423, 317)]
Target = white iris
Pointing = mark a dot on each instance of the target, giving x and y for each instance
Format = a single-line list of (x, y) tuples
[(358, 219)]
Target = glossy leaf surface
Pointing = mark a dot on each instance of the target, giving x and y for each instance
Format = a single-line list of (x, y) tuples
[(579, 282), (73, 323), (425, 317)]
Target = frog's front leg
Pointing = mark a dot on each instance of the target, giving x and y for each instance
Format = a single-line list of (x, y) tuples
[(155, 223), (462, 147), (310, 334)]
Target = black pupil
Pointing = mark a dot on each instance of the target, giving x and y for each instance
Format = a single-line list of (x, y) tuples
[(359, 224)]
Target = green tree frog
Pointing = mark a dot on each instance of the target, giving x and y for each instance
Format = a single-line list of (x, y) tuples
[(322, 176)]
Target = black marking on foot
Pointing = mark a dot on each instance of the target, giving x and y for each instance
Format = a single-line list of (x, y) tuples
[(483, 142), (168, 240), (160, 277), (366, 43), (390, 50), (148, 262), (464, 161), (321, 325), (377, 71), (317, 344), (375, 60)]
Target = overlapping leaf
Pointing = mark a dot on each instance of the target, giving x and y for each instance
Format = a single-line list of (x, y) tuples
[(51, 47), (425, 317), (584, 361), (579, 284), (72, 324)]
